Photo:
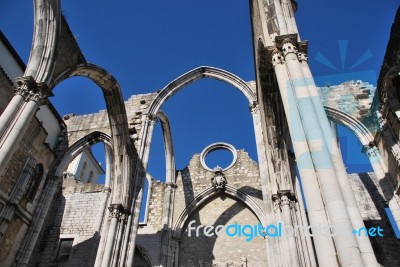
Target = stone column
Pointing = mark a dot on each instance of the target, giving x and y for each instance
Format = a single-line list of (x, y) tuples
[(166, 221), (140, 171), (37, 93), (346, 243), (21, 93), (324, 247), (284, 199), (115, 212), (330, 138), (272, 245)]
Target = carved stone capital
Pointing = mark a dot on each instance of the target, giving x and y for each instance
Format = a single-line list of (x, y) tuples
[(302, 56), (277, 58), (289, 47), (370, 150), (23, 85), (31, 90), (116, 210), (254, 108), (283, 198), (151, 119), (42, 92)]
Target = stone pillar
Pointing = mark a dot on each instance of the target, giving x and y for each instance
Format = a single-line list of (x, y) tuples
[(36, 94), (115, 212), (272, 245), (21, 93), (346, 243), (166, 221), (140, 172), (324, 247), (284, 199), (330, 138)]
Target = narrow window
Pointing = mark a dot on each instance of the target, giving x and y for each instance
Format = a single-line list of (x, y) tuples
[(64, 249), (34, 182)]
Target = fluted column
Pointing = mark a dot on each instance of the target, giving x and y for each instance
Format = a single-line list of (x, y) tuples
[(346, 243), (324, 247), (285, 199), (330, 138), (115, 213), (272, 244), (35, 94)]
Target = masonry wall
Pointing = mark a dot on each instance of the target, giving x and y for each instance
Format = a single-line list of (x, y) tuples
[(78, 213), (16, 209), (81, 125)]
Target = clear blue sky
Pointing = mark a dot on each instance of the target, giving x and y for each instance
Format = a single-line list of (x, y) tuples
[(145, 45)]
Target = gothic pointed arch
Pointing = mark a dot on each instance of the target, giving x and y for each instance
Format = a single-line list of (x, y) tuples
[(75, 149), (123, 149), (196, 74), (207, 195), (356, 126)]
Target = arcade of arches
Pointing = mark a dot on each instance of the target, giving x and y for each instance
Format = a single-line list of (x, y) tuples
[(48, 218)]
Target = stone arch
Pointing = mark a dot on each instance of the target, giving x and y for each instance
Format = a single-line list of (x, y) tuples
[(45, 39), (205, 196), (123, 149), (143, 252), (169, 148), (196, 74), (357, 127), (85, 142)]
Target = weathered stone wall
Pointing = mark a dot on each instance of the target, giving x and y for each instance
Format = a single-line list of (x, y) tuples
[(81, 125), (78, 214), (13, 194), (222, 249), (194, 179), (353, 97)]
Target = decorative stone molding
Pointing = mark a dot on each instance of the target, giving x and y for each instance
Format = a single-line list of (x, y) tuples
[(288, 47), (216, 146), (219, 181), (31, 90), (254, 108), (277, 58), (283, 198), (116, 210), (302, 56)]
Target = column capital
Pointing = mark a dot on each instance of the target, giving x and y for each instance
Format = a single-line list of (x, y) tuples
[(289, 47), (277, 57), (28, 88), (116, 210), (254, 108), (283, 198), (369, 149), (152, 119), (302, 56)]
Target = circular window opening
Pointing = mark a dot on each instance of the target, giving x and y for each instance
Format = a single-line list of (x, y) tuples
[(220, 157)]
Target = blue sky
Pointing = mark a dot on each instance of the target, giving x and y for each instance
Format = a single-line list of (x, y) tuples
[(145, 45)]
